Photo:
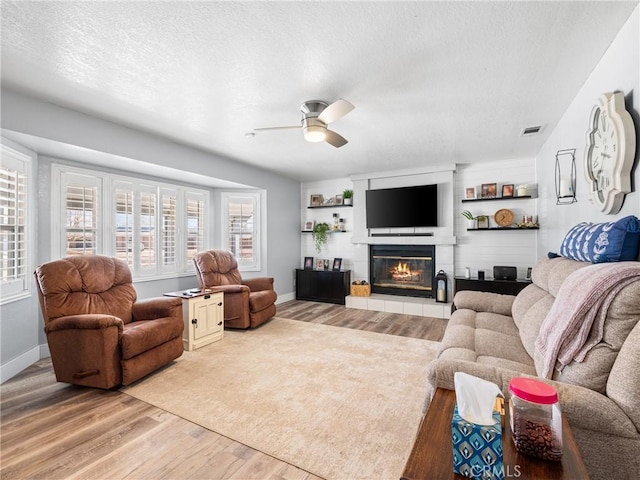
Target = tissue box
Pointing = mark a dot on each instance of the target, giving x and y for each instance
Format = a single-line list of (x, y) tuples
[(477, 449)]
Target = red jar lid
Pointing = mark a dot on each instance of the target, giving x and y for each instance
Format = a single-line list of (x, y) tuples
[(533, 390)]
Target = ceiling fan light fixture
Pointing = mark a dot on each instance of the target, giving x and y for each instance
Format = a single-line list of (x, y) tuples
[(315, 133)]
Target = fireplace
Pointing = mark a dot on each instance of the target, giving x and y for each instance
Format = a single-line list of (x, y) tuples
[(402, 270)]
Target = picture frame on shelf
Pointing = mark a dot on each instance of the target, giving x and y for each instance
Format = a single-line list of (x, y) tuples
[(319, 264), (489, 190), (316, 200), (339, 200), (470, 193), (308, 263), (483, 221), (337, 264), (507, 190), (308, 226)]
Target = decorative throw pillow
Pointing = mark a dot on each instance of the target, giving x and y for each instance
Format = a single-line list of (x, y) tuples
[(603, 242)]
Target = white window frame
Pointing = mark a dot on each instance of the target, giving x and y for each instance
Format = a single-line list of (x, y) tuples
[(15, 157), (107, 228), (205, 228), (256, 197), (59, 197)]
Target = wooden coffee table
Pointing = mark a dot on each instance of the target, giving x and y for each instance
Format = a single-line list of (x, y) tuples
[(432, 454)]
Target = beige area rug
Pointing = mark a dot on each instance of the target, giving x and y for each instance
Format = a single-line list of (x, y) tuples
[(337, 402)]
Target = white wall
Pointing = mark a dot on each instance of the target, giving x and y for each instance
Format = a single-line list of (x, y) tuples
[(30, 116), (338, 244), (482, 250), (619, 70)]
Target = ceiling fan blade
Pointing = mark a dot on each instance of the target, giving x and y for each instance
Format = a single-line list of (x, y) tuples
[(276, 128), (335, 111), (335, 139)]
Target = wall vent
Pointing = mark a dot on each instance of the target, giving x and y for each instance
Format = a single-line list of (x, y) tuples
[(531, 130)]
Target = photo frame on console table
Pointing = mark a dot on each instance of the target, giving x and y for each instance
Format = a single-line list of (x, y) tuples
[(319, 264), (337, 264), (308, 263)]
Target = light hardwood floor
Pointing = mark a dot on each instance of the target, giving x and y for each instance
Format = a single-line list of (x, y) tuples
[(57, 431)]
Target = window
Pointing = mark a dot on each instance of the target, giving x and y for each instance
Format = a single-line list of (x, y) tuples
[(81, 215), (168, 232), (140, 223), (147, 230), (124, 225), (16, 224), (196, 227), (242, 228)]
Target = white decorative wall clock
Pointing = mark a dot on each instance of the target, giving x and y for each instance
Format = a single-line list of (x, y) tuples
[(610, 151)]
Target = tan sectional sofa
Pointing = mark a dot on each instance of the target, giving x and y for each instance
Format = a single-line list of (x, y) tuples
[(493, 337)]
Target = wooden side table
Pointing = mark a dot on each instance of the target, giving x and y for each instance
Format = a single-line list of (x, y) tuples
[(432, 454), (203, 316)]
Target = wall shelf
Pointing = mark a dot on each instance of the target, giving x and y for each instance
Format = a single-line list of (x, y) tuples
[(329, 206), (502, 228), (522, 197)]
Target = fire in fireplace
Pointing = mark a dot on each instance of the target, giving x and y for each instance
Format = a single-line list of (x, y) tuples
[(402, 269)]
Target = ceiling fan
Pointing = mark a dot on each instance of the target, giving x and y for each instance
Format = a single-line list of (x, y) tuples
[(316, 116)]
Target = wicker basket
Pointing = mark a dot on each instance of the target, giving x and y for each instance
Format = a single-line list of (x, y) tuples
[(360, 290)]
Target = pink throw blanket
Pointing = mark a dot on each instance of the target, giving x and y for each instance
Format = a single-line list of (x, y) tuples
[(575, 323)]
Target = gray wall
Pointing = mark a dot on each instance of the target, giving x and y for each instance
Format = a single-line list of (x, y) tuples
[(21, 326)]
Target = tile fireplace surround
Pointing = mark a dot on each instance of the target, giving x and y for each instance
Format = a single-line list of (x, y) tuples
[(408, 305), (422, 307)]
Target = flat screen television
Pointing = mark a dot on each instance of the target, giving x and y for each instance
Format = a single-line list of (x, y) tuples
[(402, 207)]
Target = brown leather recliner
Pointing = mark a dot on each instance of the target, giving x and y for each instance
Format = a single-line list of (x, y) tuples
[(247, 303), (98, 335)]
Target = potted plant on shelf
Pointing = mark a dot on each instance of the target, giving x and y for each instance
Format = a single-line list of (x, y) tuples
[(471, 220), (347, 196), (319, 235)]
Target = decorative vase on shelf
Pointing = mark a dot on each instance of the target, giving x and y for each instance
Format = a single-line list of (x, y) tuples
[(347, 197), (472, 223)]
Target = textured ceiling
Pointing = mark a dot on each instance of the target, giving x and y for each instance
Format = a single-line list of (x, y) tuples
[(432, 82)]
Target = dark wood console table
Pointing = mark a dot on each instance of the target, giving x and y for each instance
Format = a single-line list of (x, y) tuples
[(323, 285), (432, 454), (505, 287)]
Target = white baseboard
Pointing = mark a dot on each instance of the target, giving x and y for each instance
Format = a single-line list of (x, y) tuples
[(44, 351), (15, 366), (286, 297)]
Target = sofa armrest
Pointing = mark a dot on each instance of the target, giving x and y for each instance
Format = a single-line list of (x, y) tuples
[(484, 302), (157, 307), (440, 374), (583, 408), (93, 321), (259, 284)]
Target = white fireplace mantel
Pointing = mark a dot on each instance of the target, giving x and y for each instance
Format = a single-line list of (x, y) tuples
[(404, 240)]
